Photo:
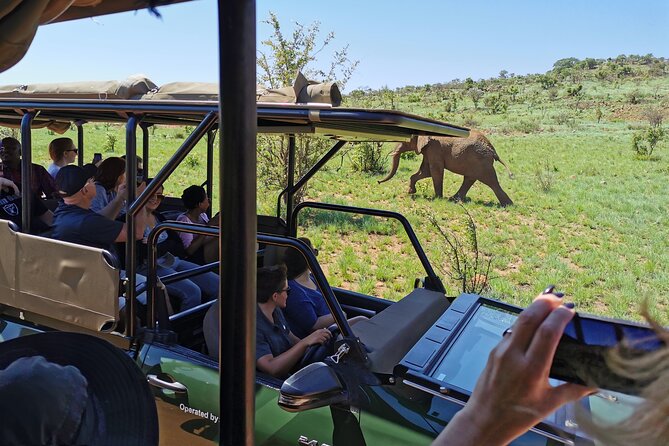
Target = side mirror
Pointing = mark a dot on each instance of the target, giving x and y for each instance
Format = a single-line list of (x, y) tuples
[(316, 385)]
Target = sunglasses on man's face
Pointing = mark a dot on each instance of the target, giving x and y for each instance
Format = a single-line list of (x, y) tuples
[(73, 150)]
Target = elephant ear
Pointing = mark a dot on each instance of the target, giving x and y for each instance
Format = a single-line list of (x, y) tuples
[(422, 142)]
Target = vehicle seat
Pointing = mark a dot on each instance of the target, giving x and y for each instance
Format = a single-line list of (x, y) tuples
[(390, 334)]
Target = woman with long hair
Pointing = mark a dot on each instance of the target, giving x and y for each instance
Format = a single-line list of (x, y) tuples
[(110, 188), (62, 152), (188, 292), (200, 249)]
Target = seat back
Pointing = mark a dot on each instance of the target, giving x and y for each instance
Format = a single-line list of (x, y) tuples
[(64, 281)]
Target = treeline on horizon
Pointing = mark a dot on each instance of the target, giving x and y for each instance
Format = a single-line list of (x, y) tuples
[(567, 69)]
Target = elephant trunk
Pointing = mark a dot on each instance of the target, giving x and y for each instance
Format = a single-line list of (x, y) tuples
[(403, 147)]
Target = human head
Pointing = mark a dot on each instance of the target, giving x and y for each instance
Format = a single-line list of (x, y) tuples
[(295, 261), (75, 185), (155, 199), (62, 149), (10, 151), (270, 280), (195, 196), (111, 172), (71, 388)]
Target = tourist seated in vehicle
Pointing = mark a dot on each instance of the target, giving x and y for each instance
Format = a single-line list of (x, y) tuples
[(62, 152), (42, 183), (110, 188), (75, 222), (187, 292), (306, 309), (278, 350), (201, 249), (11, 205)]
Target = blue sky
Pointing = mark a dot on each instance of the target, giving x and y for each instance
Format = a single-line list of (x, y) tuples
[(428, 42)]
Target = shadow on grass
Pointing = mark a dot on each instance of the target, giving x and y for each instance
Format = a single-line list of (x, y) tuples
[(347, 222)]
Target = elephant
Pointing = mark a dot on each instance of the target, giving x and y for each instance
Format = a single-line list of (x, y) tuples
[(472, 157)]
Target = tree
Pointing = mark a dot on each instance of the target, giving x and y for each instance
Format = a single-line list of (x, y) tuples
[(286, 55), (475, 94), (278, 62)]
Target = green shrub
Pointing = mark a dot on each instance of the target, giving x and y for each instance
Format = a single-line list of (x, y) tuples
[(527, 126), (110, 142), (545, 176), (645, 141), (467, 265), (192, 161), (368, 157)]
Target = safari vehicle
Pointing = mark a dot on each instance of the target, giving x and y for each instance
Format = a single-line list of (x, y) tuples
[(396, 378)]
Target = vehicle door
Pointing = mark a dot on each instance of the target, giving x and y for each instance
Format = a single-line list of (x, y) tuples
[(185, 384)]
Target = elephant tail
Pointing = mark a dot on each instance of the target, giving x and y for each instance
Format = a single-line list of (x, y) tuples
[(396, 163), (497, 158)]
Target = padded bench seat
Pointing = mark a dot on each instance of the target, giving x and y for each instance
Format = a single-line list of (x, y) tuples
[(390, 334)]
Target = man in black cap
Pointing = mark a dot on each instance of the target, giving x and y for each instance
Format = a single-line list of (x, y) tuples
[(62, 388), (74, 221)]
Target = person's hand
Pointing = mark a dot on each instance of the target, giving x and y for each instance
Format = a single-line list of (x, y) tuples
[(214, 221), (320, 336), (122, 191), (513, 393), (9, 184), (141, 187)]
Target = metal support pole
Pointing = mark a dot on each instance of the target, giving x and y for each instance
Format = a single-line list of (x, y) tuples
[(130, 246), (211, 137), (26, 170), (80, 142), (291, 181), (237, 37), (145, 149), (307, 176)]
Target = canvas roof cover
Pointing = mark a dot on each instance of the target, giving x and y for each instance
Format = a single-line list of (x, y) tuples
[(304, 107)]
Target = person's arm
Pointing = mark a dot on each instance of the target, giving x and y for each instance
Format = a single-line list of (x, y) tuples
[(47, 184), (140, 226), (113, 208), (47, 218), (9, 184), (513, 393), (282, 364)]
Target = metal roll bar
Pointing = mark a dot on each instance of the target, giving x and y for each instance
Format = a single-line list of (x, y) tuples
[(433, 282)]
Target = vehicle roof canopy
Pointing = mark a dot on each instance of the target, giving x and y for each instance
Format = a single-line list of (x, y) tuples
[(304, 107)]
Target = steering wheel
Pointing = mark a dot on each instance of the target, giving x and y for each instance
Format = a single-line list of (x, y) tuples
[(318, 352)]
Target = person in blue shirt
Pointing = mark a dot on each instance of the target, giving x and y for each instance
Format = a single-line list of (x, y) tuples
[(306, 309)]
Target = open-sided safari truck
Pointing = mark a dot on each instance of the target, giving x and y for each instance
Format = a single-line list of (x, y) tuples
[(396, 378)]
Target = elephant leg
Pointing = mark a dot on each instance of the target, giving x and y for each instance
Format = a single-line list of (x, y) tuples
[(493, 183), (461, 194), (423, 172), (436, 164)]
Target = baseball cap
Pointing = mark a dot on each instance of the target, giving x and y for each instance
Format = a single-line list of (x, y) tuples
[(72, 388), (70, 179)]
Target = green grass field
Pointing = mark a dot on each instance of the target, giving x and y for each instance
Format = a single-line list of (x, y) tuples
[(589, 216)]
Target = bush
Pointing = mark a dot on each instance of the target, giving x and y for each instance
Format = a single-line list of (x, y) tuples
[(545, 176), (468, 266), (633, 97), (527, 126), (368, 157), (496, 103), (192, 161), (654, 116), (110, 142), (645, 141)]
